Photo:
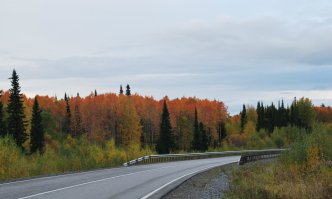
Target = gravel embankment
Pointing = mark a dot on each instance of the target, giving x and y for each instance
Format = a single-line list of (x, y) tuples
[(209, 184)]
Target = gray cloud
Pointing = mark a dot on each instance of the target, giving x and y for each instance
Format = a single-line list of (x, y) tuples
[(233, 51)]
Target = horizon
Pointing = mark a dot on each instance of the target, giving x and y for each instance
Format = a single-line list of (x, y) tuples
[(236, 52)]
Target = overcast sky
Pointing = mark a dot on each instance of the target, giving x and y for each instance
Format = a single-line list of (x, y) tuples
[(236, 51)]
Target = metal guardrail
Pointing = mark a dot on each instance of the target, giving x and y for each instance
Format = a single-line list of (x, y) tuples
[(246, 156), (254, 157)]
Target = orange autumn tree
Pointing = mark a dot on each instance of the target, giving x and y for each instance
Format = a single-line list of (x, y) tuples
[(129, 119)]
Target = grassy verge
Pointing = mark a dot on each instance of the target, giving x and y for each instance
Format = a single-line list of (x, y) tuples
[(304, 172), (69, 155)]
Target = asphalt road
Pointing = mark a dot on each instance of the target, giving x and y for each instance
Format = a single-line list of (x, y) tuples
[(145, 181)]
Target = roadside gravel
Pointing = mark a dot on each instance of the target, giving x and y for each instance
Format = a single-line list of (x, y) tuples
[(209, 184)]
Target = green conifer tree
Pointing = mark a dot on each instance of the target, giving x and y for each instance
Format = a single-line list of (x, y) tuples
[(121, 90), (259, 119), (37, 140), (77, 130), (204, 137), (222, 131), (128, 92), (243, 117), (15, 109), (262, 116), (294, 112), (165, 142), (196, 142), (67, 120)]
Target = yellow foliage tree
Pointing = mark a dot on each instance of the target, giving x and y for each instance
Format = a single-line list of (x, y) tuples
[(130, 128)]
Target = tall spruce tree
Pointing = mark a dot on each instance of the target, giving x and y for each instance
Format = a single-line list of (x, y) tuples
[(77, 130), (67, 121), (262, 115), (196, 142), (165, 142), (222, 132), (121, 90), (283, 115), (204, 137), (37, 141), (259, 117), (2, 119), (15, 109), (128, 92), (96, 94), (243, 117), (294, 113)]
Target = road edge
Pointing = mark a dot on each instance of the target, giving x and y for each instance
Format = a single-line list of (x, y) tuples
[(172, 186)]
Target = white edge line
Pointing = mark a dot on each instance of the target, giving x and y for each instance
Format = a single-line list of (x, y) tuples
[(82, 184), (165, 185), (58, 176)]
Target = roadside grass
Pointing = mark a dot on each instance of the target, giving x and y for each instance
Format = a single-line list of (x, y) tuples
[(304, 172), (70, 155)]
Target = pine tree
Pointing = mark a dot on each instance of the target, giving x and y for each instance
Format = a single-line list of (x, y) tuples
[(128, 92), (2, 119), (283, 115), (294, 112), (204, 137), (222, 131), (259, 117), (37, 140), (165, 142), (96, 94), (262, 116), (196, 143), (67, 121), (243, 117), (16, 117), (77, 130), (121, 90)]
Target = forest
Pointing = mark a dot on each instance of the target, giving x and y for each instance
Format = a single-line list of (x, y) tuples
[(44, 134)]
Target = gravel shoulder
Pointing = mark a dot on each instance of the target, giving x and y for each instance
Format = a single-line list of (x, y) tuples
[(209, 184)]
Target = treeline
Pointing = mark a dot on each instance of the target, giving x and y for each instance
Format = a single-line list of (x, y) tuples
[(125, 118), (186, 124), (301, 114)]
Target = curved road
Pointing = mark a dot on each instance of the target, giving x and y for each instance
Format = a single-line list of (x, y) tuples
[(145, 181)]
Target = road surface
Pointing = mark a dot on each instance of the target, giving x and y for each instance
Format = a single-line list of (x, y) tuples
[(144, 181)]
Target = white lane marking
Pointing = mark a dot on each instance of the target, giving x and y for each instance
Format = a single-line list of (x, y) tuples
[(86, 183), (57, 176), (165, 185)]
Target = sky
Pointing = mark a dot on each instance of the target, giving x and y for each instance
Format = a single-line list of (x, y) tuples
[(236, 51)]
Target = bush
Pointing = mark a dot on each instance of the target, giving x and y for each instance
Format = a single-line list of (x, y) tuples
[(12, 159)]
